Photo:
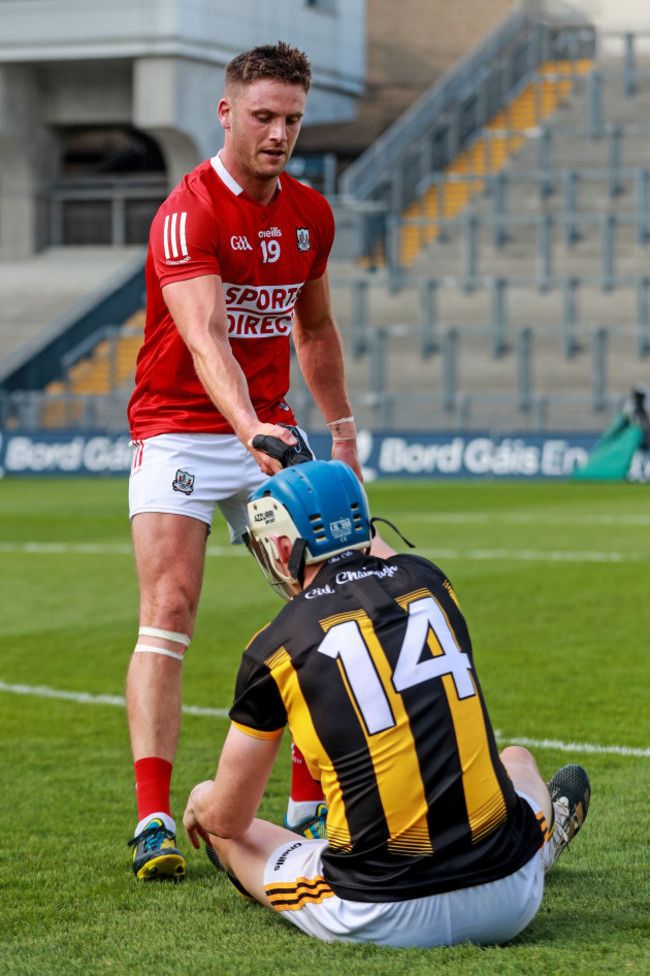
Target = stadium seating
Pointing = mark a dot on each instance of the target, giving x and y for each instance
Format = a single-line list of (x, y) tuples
[(498, 141), (512, 292), (108, 368), (518, 291)]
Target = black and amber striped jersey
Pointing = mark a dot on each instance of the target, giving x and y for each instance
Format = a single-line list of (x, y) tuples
[(372, 669)]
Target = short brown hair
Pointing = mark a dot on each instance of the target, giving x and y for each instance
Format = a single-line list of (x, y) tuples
[(279, 61)]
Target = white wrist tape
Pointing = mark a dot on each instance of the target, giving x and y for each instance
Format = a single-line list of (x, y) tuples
[(343, 429)]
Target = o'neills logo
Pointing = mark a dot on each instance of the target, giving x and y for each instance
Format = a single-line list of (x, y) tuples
[(285, 854)]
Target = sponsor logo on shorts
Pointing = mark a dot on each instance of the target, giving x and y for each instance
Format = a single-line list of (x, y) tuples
[(184, 481), (285, 854)]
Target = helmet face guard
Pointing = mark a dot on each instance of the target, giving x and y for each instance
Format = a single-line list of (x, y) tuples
[(271, 574), (320, 506), (266, 553)]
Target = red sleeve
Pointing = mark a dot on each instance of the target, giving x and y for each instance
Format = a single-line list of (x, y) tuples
[(184, 239)]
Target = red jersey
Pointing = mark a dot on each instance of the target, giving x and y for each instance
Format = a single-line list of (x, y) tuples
[(264, 255)]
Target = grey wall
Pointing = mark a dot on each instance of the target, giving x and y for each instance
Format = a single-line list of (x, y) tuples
[(156, 65)]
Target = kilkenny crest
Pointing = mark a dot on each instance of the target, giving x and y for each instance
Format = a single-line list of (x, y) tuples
[(184, 481), (302, 235)]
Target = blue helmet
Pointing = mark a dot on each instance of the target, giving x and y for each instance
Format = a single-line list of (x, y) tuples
[(320, 505)]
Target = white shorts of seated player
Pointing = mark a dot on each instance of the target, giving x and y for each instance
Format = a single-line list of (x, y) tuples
[(486, 914)]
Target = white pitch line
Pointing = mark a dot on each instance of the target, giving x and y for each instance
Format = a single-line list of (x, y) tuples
[(526, 518), (84, 698), (512, 555), (571, 746), (69, 548), (100, 548), (537, 555)]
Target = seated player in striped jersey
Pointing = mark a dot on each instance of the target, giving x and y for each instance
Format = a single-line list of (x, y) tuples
[(433, 838)]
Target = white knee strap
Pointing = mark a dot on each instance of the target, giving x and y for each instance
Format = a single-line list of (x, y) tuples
[(149, 649), (169, 635), (165, 634)]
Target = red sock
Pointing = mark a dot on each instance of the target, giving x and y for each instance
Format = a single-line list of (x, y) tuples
[(303, 786), (152, 779)]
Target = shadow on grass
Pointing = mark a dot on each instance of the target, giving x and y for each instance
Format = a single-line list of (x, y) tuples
[(578, 906)]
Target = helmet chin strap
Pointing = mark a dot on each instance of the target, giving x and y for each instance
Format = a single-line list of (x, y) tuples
[(296, 564), (377, 518)]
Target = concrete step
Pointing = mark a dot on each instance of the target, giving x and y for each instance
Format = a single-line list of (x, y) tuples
[(523, 306), (34, 292)]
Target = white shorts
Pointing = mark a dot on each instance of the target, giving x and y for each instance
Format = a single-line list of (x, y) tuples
[(486, 914), (188, 474)]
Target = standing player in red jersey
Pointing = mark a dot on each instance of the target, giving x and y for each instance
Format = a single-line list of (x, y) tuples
[(237, 264)]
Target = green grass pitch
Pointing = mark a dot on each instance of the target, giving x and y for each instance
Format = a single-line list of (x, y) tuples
[(554, 581)]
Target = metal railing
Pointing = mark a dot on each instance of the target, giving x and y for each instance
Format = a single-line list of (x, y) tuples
[(411, 157), (545, 229), (34, 366), (431, 133), (27, 410), (105, 210), (437, 397), (496, 324), (448, 409)]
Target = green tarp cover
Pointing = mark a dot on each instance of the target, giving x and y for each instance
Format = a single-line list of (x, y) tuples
[(611, 457)]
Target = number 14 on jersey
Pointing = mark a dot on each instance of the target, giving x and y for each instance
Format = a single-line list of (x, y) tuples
[(345, 642)]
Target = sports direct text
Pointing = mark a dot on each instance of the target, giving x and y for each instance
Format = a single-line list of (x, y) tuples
[(260, 310)]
